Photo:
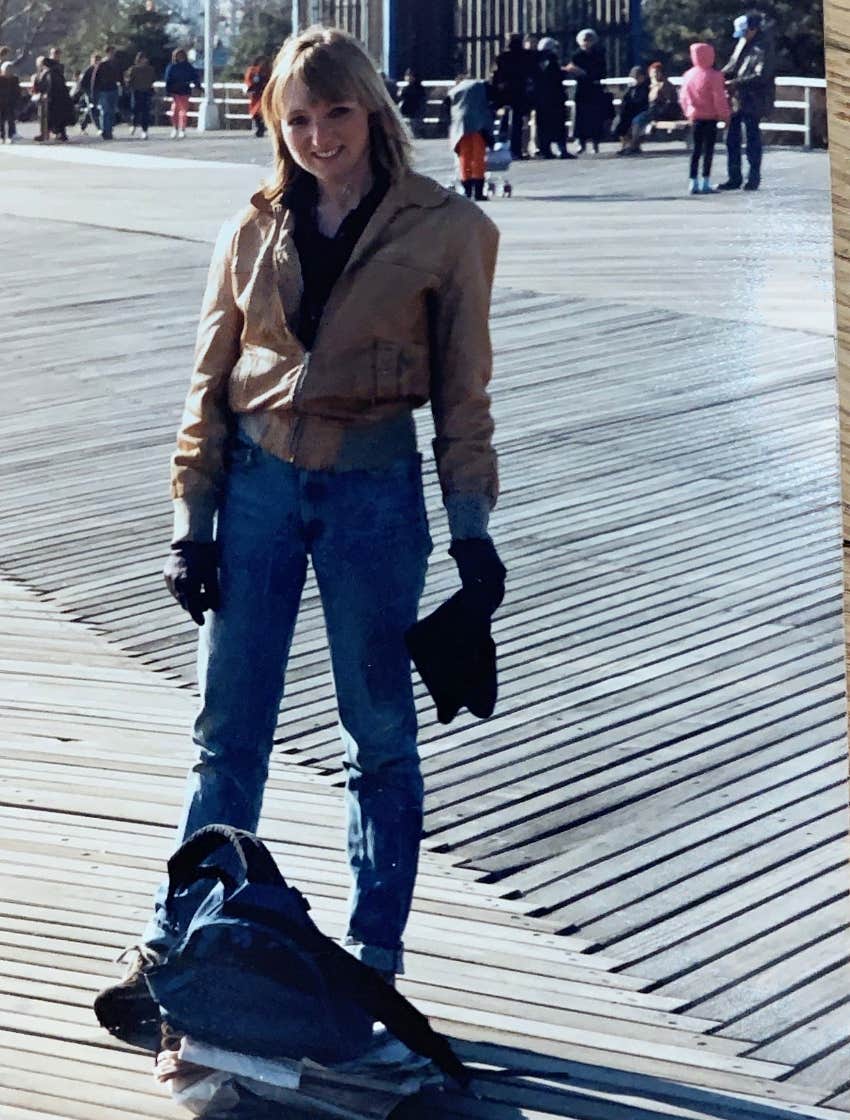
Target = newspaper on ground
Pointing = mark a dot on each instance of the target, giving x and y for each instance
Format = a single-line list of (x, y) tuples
[(210, 1081)]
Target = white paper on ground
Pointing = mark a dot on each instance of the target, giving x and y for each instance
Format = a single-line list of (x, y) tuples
[(275, 1071), (206, 1096), (365, 1089)]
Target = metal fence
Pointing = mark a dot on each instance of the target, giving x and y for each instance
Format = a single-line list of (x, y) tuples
[(482, 26)]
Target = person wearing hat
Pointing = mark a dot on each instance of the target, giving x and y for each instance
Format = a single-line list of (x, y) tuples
[(594, 104), (751, 87)]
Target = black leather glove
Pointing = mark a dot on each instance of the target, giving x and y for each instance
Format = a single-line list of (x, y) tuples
[(191, 575), (481, 572)]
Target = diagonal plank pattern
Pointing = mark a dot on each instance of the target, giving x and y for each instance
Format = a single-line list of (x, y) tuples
[(666, 774), (93, 757)]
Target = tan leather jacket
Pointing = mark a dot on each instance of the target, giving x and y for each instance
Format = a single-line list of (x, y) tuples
[(406, 322)]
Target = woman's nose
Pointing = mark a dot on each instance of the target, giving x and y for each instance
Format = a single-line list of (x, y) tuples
[(319, 133)]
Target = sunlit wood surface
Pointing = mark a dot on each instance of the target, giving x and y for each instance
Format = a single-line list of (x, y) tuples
[(94, 751), (665, 777)]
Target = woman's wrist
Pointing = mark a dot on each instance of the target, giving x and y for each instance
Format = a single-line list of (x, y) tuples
[(469, 516), (194, 518)]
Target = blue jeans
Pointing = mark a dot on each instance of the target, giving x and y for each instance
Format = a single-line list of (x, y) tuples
[(640, 122), (107, 104), (749, 123), (366, 533)]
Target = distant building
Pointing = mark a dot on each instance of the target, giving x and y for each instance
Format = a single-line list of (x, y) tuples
[(440, 37)]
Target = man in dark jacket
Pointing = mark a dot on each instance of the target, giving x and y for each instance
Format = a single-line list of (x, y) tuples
[(83, 96), (750, 74), (106, 83), (514, 81)]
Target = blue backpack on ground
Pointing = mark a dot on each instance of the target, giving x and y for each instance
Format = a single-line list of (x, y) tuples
[(252, 972)]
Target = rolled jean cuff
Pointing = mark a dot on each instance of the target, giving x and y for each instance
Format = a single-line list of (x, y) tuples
[(376, 956)]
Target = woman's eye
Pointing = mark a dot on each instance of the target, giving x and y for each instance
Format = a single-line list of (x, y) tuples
[(339, 111), (297, 122)]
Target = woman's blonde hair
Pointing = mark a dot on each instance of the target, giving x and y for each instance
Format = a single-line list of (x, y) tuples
[(334, 67)]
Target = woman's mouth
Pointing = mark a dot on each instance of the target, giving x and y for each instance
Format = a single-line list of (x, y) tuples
[(329, 154)]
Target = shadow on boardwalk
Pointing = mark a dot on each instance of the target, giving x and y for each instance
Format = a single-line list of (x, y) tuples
[(543, 1087)]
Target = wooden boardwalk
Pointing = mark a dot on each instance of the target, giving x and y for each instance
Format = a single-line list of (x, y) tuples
[(94, 753), (665, 777)]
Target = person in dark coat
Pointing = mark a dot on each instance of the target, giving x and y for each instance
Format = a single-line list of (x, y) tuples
[(106, 88), (513, 83), (412, 102), (10, 95), (751, 84), (551, 102), (83, 96), (58, 108), (593, 104), (138, 82), (634, 102)]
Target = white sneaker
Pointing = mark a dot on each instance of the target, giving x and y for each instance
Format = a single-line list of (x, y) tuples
[(174, 134), (144, 135), (182, 133), (14, 139), (133, 131)]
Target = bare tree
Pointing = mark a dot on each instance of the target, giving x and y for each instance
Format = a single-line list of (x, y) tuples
[(28, 25)]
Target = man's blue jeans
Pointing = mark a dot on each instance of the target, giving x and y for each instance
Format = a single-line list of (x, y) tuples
[(366, 533), (749, 123), (107, 104)]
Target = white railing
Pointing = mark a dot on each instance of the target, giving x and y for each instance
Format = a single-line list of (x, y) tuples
[(804, 107), (234, 104), (801, 127)]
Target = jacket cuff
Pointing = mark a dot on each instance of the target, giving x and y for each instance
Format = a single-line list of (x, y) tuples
[(194, 518), (469, 515)]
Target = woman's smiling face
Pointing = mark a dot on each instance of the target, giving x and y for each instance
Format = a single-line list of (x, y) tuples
[(330, 139)]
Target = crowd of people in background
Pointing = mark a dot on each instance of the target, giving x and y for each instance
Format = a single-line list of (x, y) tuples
[(102, 92), (522, 107)]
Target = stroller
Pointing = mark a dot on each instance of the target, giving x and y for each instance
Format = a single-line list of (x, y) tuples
[(497, 165), (86, 112)]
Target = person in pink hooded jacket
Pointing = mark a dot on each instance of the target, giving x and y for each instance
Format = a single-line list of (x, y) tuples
[(702, 96)]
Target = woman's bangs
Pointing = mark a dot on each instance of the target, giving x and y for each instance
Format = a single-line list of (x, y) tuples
[(325, 78)]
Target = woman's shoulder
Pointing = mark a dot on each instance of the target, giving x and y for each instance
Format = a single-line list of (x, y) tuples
[(248, 226), (454, 215)]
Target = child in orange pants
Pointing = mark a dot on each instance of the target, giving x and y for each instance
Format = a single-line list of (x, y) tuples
[(470, 132)]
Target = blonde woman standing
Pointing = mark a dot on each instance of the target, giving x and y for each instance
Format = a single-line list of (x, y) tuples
[(347, 293)]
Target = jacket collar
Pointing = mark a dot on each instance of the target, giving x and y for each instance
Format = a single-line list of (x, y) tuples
[(411, 189)]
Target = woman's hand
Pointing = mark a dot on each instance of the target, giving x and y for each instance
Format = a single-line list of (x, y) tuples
[(191, 575), (481, 572)]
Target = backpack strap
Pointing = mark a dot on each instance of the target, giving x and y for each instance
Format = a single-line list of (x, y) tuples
[(345, 974), (398, 1014), (255, 863)]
